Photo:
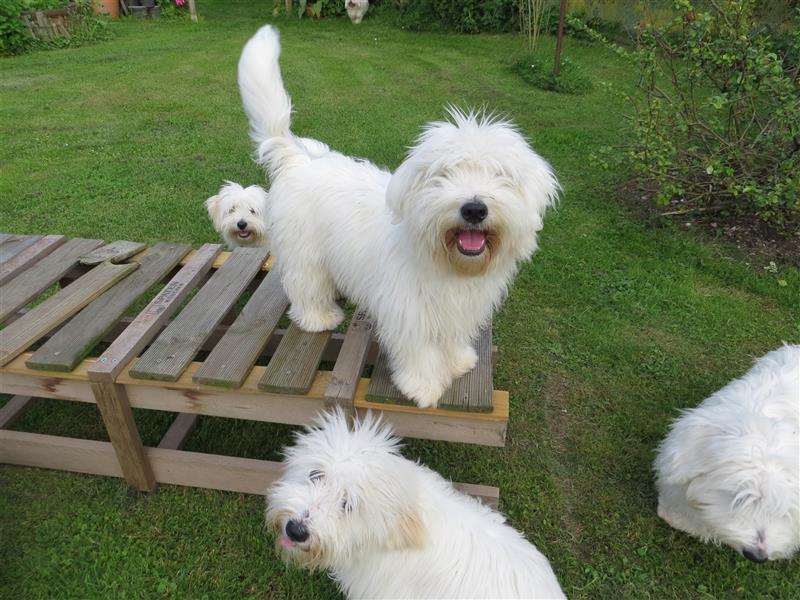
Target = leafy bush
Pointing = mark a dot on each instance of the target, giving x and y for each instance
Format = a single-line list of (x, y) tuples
[(463, 16), (537, 69), (717, 123), (14, 37), (321, 8)]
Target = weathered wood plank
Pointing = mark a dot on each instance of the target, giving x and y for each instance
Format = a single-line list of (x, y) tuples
[(114, 252), (12, 244), (29, 284), (470, 392), (381, 388), (346, 374), (473, 391), (237, 351), (175, 348), (292, 368), (58, 308), (181, 428), (177, 467), (13, 410), (112, 400), (29, 256), (72, 343), (147, 324)]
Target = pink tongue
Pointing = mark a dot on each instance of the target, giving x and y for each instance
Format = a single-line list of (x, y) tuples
[(286, 542), (471, 241)]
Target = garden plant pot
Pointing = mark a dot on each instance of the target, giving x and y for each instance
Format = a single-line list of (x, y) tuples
[(154, 12), (107, 7)]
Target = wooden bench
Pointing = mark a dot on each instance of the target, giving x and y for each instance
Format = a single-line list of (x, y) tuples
[(252, 369)]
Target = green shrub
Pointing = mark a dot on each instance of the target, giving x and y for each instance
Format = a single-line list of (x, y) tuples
[(321, 8), (463, 16), (537, 69), (14, 37), (717, 123)]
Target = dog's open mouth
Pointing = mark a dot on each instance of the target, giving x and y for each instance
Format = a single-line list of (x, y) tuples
[(471, 242), (243, 235)]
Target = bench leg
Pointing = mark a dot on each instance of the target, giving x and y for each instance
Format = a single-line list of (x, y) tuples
[(112, 400)]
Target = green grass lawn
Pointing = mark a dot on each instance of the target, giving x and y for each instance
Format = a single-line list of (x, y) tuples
[(607, 333)]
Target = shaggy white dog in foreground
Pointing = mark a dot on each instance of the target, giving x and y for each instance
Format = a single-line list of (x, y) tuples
[(728, 470), (429, 252), (387, 527), (238, 214)]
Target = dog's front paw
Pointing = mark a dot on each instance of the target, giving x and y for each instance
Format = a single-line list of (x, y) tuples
[(314, 321), (424, 393), (463, 360)]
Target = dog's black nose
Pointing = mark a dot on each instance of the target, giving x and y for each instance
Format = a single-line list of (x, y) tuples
[(296, 531), (474, 211), (242, 224), (757, 555)]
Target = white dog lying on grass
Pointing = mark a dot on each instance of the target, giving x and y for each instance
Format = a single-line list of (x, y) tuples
[(429, 252), (239, 215), (387, 527), (729, 469)]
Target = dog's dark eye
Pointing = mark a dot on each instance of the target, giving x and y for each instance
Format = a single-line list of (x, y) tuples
[(315, 475), (252, 211), (346, 506)]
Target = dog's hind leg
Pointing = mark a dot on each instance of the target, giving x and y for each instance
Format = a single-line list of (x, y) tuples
[(312, 295)]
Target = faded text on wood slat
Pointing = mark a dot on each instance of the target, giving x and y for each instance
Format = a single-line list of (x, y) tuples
[(141, 330), (66, 349), (346, 374), (174, 349)]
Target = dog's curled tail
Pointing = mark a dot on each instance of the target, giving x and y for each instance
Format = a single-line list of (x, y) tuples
[(265, 100)]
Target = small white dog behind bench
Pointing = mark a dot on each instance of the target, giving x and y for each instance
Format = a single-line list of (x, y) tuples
[(239, 214), (387, 527), (729, 470), (429, 252)]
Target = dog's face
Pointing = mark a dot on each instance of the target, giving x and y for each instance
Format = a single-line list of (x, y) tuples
[(343, 492), (238, 215), (472, 194), (744, 487)]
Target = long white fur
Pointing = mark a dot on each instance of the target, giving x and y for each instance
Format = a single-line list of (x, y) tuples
[(729, 470), (234, 204), (387, 527), (356, 9), (344, 225)]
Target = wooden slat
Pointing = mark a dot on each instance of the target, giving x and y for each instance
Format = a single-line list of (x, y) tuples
[(292, 368), (115, 252), (346, 374), (11, 245), (175, 348), (141, 330), (181, 428), (58, 308), (72, 343), (237, 351), (13, 410), (29, 256), (381, 387), (470, 392), (473, 391), (250, 403), (112, 400), (177, 467), (26, 286)]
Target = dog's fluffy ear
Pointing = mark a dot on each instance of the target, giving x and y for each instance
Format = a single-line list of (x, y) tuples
[(409, 531), (214, 208), (401, 186), (682, 456), (536, 183)]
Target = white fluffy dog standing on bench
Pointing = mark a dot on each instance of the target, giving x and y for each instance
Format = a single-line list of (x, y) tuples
[(729, 470), (387, 527), (429, 252)]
